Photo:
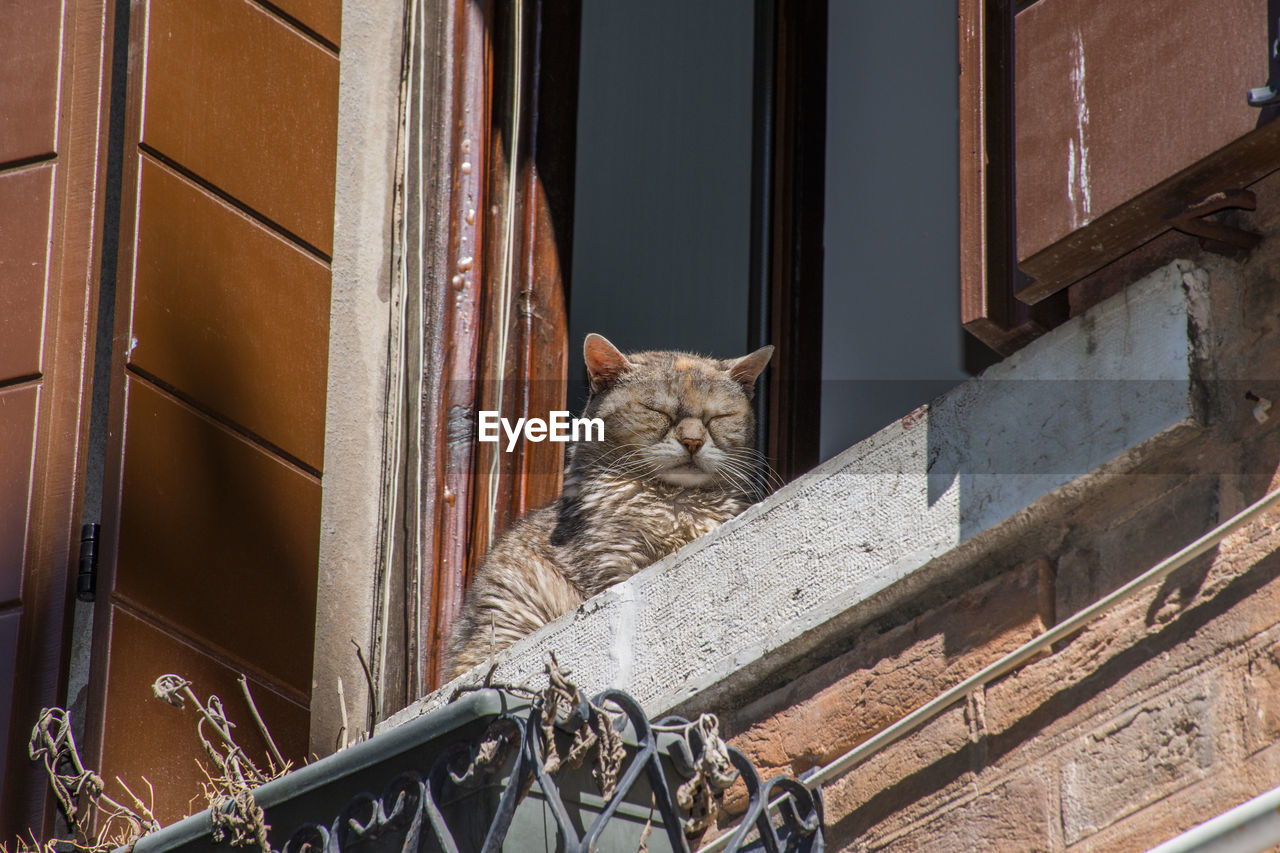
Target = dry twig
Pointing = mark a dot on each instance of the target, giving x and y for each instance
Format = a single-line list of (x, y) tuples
[(236, 816), (80, 793)]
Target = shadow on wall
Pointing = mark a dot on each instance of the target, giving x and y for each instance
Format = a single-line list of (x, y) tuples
[(996, 745), (1082, 395), (997, 445)]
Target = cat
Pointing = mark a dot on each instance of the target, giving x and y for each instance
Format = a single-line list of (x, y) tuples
[(677, 460)]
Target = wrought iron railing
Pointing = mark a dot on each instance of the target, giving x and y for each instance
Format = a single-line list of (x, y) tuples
[(503, 792), (504, 770)]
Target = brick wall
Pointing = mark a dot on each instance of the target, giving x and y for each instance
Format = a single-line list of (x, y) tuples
[(1159, 715)]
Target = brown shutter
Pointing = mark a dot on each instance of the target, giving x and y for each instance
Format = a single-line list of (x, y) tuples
[(1123, 125), (1090, 137), (212, 498), (51, 156)]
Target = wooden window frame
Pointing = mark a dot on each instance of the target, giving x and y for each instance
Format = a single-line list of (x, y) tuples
[(492, 280), (788, 193)]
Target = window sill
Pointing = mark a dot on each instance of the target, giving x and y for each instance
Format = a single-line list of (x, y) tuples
[(910, 507)]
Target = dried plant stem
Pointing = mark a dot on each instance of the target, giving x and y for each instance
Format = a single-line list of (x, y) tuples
[(262, 727), (142, 807), (237, 762), (368, 680), (236, 817), (342, 706)]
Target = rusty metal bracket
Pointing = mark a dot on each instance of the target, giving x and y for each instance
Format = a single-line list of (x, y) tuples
[(1218, 237)]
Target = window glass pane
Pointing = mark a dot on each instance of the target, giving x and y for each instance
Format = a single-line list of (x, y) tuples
[(891, 314), (663, 178)]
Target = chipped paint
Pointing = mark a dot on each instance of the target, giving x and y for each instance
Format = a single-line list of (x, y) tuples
[(1077, 146), (624, 634)]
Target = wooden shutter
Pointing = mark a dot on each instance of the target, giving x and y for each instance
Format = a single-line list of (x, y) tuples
[(1125, 121), (988, 272), (215, 456), (1091, 136), (52, 152)]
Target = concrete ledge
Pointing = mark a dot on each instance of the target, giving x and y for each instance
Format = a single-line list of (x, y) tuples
[(876, 523)]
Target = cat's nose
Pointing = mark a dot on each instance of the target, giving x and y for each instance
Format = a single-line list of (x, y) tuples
[(693, 444)]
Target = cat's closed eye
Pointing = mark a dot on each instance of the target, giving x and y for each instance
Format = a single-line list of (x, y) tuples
[(666, 416)]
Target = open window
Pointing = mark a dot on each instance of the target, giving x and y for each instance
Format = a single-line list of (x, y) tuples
[(514, 276)]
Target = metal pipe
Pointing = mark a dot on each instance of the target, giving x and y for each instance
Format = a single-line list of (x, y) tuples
[(1023, 653), (1248, 828)]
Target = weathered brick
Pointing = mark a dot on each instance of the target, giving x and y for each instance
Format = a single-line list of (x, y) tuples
[(1076, 580), (1142, 519), (1140, 755), (1261, 714), (823, 713), (1080, 679), (1152, 638), (1230, 785), (1016, 814), (906, 782), (1246, 575), (1159, 529)]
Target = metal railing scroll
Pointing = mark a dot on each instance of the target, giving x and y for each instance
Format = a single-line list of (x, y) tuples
[(526, 783)]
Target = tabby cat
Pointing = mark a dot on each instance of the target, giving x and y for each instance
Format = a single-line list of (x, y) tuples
[(677, 460)]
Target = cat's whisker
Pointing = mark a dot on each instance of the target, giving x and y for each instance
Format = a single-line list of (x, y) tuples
[(739, 484), (740, 479), (617, 454), (624, 462), (635, 469), (627, 461), (740, 466), (773, 480), (751, 480)]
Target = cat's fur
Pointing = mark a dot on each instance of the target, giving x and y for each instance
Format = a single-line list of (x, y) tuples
[(676, 461)]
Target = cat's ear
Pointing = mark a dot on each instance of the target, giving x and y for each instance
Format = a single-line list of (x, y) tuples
[(747, 370), (604, 362)]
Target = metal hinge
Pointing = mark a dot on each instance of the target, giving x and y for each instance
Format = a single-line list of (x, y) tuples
[(1218, 237), (87, 576)]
